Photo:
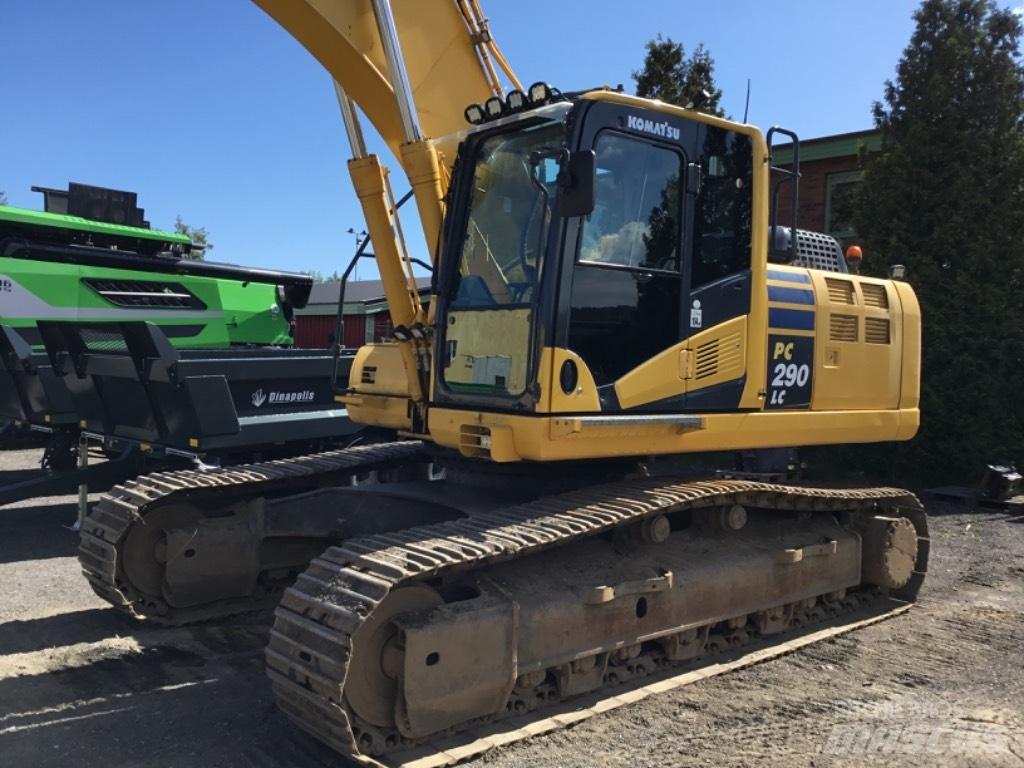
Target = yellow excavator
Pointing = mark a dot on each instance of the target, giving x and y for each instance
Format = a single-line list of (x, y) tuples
[(611, 291)]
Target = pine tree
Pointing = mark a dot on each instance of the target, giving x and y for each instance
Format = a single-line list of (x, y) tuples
[(200, 238), (945, 197), (668, 75)]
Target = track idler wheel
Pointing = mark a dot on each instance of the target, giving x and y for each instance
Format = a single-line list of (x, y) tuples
[(144, 553), (371, 685)]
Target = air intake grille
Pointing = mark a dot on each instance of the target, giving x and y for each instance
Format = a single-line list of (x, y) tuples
[(151, 294), (875, 295), (876, 330), (842, 328), (719, 356), (839, 291), (707, 360), (369, 375)]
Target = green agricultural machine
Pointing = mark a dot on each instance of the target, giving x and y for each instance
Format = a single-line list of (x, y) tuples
[(113, 335), (91, 256)]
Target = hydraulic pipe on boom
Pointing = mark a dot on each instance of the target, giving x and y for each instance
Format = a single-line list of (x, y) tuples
[(350, 119), (419, 157)]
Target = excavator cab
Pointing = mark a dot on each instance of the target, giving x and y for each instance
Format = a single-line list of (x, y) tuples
[(657, 251)]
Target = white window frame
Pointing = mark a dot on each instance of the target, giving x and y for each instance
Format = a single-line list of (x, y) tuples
[(831, 181)]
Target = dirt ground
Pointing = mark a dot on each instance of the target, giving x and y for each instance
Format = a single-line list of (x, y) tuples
[(940, 685)]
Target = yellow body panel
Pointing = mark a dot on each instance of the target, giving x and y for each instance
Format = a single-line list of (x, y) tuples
[(382, 398), (503, 437), (583, 399), (854, 367), (910, 378), (713, 356)]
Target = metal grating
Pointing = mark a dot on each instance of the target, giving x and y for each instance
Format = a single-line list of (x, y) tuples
[(875, 295), (816, 250), (839, 291), (876, 330), (842, 328), (152, 294), (98, 340)]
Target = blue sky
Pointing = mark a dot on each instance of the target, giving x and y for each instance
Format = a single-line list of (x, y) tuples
[(208, 109)]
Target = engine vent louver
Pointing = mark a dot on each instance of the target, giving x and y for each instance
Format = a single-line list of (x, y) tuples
[(839, 291), (706, 363), (876, 330), (875, 295), (719, 356), (149, 294), (369, 374), (842, 328)]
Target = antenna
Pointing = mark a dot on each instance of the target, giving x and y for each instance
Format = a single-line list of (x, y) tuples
[(746, 107)]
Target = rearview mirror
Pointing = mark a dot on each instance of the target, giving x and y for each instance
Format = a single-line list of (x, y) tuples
[(576, 184)]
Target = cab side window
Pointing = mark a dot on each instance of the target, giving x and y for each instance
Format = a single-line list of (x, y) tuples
[(722, 210), (636, 218)]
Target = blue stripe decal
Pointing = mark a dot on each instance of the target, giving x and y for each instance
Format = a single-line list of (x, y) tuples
[(790, 295), (793, 319), (792, 277)]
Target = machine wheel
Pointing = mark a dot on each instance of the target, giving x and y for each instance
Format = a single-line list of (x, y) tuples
[(372, 685), (145, 549)]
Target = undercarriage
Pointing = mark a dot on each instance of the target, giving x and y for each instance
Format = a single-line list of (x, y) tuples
[(422, 608)]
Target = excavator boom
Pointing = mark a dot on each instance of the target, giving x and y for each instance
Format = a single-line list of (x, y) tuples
[(447, 51)]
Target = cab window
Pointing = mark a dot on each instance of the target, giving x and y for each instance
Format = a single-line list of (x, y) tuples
[(722, 210), (636, 217)]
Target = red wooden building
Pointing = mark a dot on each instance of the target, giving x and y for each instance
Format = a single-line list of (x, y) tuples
[(366, 314)]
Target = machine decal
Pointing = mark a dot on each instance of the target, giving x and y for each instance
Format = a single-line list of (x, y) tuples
[(791, 319), (789, 277), (790, 295), (790, 361), (696, 315), (259, 397), (646, 125)]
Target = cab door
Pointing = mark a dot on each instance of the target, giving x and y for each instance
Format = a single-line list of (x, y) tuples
[(623, 283)]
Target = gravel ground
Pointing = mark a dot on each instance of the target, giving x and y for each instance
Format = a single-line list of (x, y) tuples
[(941, 685)]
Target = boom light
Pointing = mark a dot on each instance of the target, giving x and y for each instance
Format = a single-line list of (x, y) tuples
[(515, 101), (494, 107), (539, 93)]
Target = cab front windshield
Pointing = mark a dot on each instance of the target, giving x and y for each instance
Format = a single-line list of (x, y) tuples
[(487, 333)]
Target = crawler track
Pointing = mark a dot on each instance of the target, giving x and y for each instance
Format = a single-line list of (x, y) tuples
[(309, 654), (108, 524)]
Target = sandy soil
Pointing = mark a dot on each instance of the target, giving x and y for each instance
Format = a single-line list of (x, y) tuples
[(941, 685)]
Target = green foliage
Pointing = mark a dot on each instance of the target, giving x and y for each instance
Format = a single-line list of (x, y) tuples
[(945, 196), (199, 236), (319, 277), (668, 75)]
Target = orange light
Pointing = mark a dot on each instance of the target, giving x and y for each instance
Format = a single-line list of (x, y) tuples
[(854, 253)]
